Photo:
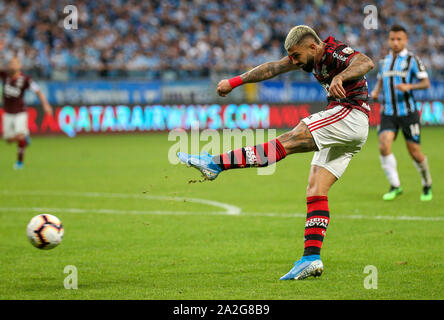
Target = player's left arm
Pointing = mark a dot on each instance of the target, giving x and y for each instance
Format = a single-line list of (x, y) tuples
[(45, 104), (36, 89), (358, 66), (419, 72), (422, 84), (262, 72)]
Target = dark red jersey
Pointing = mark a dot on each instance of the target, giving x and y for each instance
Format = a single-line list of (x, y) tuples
[(14, 90), (336, 58)]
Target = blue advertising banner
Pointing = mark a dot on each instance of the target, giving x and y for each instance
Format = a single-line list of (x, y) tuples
[(307, 92), (281, 92), (272, 91), (201, 91), (97, 92)]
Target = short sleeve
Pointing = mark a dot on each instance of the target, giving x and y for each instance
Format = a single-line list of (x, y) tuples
[(33, 86), (342, 56), (418, 68)]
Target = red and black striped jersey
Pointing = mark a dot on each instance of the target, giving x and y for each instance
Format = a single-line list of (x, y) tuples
[(336, 58), (14, 88)]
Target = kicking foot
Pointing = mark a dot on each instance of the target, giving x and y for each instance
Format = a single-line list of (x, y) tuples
[(307, 266), (393, 193), (426, 193), (19, 165), (203, 162)]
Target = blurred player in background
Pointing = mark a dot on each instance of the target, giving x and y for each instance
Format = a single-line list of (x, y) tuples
[(15, 117), (336, 134), (399, 73)]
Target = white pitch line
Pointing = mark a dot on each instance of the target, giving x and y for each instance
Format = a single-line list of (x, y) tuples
[(256, 214), (229, 209), (109, 211)]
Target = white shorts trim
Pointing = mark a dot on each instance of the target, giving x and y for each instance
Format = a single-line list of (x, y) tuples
[(15, 124), (339, 133)]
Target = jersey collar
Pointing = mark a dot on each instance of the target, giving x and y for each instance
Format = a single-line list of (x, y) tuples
[(15, 76), (403, 53)]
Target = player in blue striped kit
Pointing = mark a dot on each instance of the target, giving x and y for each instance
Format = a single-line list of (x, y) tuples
[(401, 72)]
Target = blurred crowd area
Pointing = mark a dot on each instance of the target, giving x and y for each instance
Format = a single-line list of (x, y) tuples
[(183, 39)]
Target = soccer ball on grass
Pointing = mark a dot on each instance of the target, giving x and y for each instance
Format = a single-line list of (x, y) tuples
[(45, 231)]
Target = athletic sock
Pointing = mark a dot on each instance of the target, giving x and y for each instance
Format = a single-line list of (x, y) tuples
[(424, 171), (260, 155), (388, 164), (21, 150), (318, 217)]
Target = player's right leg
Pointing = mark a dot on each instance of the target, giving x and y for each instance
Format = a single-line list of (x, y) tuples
[(386, 136), (318, 216), (411, 129), (22, 130), (338, 140), (422, 165), (297, 140), (15, 129), (21, 146), (8, 127)]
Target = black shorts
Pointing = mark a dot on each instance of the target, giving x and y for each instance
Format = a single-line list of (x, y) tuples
[(409, 124)]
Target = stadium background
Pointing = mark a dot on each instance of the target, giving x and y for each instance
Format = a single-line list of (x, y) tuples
[(154, 65)]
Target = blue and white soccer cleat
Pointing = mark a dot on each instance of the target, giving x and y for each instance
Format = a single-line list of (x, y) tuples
[(19, 165), (307, 266), (203, 162)]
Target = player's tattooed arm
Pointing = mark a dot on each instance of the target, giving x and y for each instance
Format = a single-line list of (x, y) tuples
[(265, 71), (359, 65), (268, 70)]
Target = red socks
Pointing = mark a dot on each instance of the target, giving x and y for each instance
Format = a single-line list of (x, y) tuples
[(260, 155), (21, 150), (318, 217)]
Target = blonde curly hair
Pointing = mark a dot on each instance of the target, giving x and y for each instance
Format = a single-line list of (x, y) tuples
[(297, 34)]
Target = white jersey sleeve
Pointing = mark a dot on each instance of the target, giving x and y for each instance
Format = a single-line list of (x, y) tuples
[(34, 86)]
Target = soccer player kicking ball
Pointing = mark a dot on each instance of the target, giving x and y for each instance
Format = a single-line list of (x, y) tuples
[(395, 77), (335, 135), (15, 118)]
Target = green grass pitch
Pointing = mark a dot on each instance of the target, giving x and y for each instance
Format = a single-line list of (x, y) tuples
[(133, 230)]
